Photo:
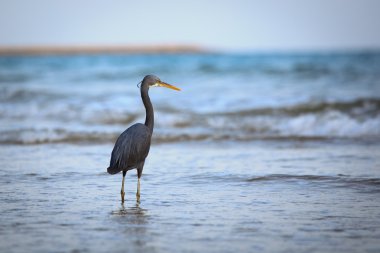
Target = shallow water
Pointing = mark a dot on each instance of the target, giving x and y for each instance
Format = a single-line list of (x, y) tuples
[(258, 152), (304, 197)]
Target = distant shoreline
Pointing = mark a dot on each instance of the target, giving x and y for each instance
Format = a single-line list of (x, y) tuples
[(69, 50), (159, 49)]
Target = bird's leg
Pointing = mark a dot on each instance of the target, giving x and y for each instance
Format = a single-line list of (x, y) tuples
[(139, 173), (122, 187), (138, 191)]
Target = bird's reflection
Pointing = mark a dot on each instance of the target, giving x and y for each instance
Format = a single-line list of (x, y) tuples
[(133, 222), (134, 216), (133, 211)]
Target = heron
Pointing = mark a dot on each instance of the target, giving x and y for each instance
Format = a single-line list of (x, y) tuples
[(132, 146)]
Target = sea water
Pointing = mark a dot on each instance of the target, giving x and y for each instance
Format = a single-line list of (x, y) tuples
[(258, 152)]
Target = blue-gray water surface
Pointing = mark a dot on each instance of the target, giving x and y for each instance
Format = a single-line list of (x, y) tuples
[(263, 152)]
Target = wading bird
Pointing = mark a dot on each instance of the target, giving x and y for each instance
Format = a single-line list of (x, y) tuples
[(132, 146)]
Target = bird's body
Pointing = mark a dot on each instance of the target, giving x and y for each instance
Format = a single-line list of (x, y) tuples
[(132, 146), (131, 149)]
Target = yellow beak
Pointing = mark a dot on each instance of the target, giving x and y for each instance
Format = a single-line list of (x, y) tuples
[(163, 84)]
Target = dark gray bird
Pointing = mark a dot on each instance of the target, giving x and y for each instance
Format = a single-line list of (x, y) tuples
[(132, 146)]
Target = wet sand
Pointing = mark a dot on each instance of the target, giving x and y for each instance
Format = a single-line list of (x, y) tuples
[(196, 197)]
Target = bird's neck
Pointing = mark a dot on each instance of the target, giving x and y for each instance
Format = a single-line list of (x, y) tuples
[(149, 118)]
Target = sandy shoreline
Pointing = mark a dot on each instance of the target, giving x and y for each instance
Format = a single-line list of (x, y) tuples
[(102, 49)]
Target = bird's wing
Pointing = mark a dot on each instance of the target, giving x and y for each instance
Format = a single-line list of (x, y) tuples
[(131, 148)]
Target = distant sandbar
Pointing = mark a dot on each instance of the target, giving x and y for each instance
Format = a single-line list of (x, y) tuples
[(63, 50)]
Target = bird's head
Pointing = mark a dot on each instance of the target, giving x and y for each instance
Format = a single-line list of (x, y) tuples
[(154, 81)]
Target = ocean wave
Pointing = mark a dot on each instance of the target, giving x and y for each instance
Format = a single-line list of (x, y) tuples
[(329, 124), (58, 135), (45, 136), (30, 136), (360, 111), (20, 95), (358, 119), (359, 183), (366, 106), (17, 77), (362, 184)]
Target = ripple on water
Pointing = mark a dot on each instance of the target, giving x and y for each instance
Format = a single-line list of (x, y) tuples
[(337, 181), (130, 211), (218, 203)]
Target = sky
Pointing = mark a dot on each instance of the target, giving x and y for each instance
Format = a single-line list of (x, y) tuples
[(232, 25)]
